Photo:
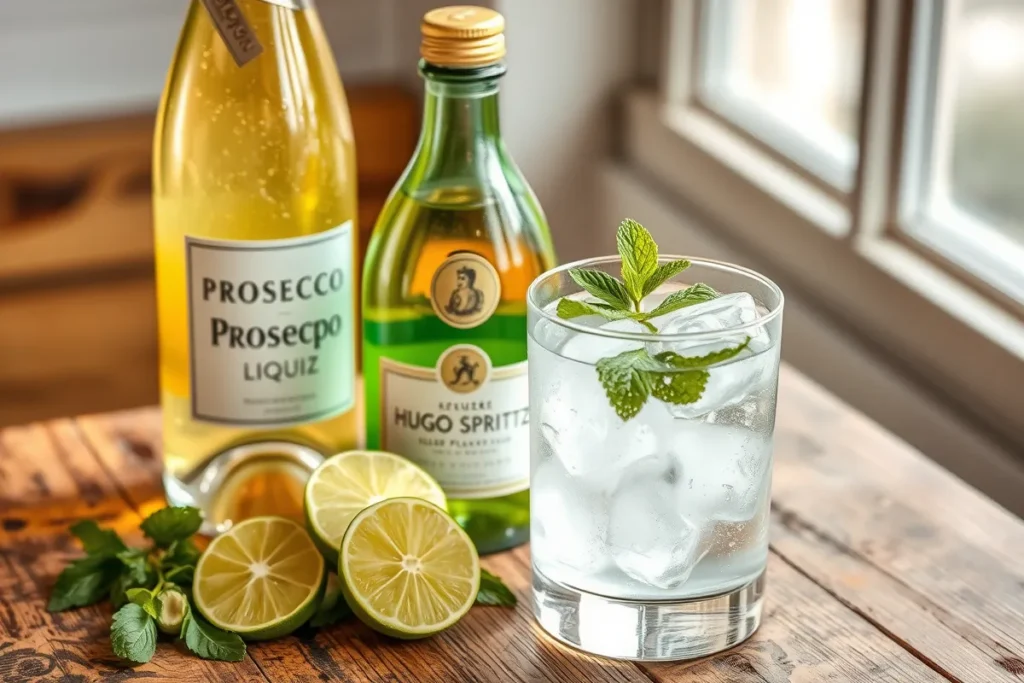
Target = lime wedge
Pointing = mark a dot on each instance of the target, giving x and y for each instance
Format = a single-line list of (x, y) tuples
[(349, 482), (407, 569), (260, 579)]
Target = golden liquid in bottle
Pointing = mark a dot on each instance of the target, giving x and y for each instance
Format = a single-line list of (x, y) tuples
[(260, 152)]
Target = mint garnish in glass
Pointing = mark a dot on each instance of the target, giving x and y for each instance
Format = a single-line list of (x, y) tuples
[(631, 377)]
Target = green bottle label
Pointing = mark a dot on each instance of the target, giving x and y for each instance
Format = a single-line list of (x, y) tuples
[(464, 421)]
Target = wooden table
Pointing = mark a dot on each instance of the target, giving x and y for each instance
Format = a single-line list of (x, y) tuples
[(884, 567)]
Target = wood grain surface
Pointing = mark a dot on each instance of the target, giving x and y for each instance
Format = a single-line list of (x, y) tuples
[(883, 568)]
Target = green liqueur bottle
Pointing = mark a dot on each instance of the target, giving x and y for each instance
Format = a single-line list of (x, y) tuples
[(444, 290)]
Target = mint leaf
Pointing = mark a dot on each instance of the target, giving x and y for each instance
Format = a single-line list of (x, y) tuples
[(680, 387), (493, 591), (675, 360), (119, 589), (172, 524), (145, 599), (631, 377), (97, 541), (135, 565), (626, 380), (130, 578), (133, 634), (179, 563), (182, 552), (84, 582), (639, 255), (209, 642), (664, 273), (603, 286), (697, 294), (571, 308)]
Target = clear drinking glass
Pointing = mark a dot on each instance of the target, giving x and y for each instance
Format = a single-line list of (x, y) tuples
[(650, 535)]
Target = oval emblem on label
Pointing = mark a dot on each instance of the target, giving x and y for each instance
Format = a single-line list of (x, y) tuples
[(464, 368), (465, 290)]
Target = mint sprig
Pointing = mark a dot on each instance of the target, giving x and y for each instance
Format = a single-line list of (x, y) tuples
[(632, 377), (145, 586), (641, 275)]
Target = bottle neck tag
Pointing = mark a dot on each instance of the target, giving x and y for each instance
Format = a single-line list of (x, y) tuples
[(233, 27)]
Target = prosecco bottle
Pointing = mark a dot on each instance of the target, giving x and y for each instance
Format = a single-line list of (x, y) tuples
[(255, 204)]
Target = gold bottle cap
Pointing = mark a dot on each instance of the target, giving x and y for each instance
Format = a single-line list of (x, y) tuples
[(463, 36)]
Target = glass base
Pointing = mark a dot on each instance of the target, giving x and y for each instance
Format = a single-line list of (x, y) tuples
[(648, 631), (256, 479)]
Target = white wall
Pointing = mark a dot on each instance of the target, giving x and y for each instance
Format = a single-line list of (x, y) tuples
[(568, 60), (65, 59)]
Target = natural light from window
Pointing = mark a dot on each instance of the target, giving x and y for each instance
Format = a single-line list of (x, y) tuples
[(789, 71)]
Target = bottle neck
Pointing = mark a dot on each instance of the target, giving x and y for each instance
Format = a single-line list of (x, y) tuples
[(461, 124)]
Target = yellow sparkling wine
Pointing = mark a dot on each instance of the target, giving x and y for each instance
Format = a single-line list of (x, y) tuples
[(255, 209)]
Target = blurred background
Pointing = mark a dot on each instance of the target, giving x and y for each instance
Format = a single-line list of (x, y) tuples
[(868, 155)]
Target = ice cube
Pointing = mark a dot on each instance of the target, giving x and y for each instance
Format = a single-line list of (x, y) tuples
[(587, 436), (725, 312), (550, 335), (650, 540), (731, 382), (571, 521), (726, 472), (590, 348)]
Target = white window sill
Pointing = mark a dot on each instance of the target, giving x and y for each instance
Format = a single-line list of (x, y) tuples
[(963, 347)]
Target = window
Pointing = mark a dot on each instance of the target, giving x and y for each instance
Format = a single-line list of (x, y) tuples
[(789, 72), (870, 155), (964, 195), (934, 85)]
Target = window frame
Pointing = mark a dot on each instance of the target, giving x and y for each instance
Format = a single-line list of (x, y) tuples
[(939, 324), (915, 224), (803, 153)]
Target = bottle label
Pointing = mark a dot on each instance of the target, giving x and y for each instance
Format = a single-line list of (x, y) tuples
[(271, 328), (465, 290), (235, 30), (464, 421)]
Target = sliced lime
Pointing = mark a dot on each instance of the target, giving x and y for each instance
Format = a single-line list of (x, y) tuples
[(260, 579), (408, 569), (349, 482)]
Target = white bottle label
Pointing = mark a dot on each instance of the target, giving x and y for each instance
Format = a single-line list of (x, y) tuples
[(463, 421), (271, 328)]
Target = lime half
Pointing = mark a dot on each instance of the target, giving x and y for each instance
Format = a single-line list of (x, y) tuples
[(260, 579), (349, 482), (407, 569)]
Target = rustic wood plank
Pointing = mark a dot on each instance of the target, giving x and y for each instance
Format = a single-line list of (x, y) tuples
[(490, 644), (806, 636), (901, 541), (62, 482)]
